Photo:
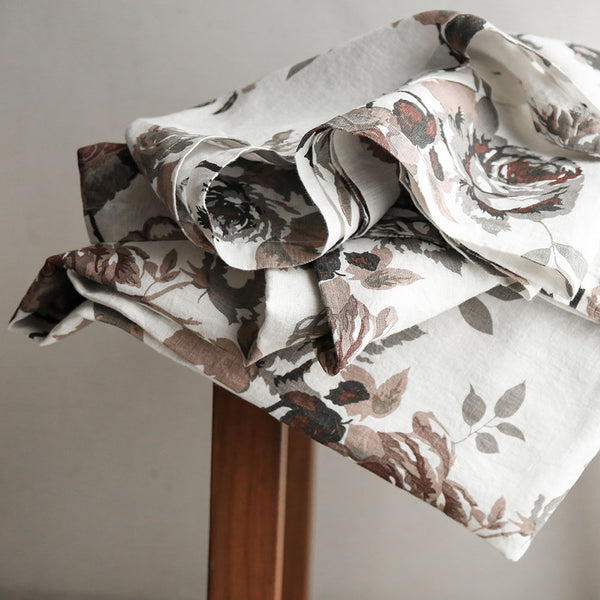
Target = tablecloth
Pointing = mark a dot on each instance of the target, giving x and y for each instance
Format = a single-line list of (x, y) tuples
[(392, 246)]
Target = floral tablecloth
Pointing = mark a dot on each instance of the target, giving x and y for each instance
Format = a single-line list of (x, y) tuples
[(392, 246)]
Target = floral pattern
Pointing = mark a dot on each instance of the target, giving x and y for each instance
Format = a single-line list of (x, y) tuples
[(406, 271)]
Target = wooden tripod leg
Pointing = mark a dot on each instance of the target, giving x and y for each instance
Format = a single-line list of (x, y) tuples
[(259, 505)]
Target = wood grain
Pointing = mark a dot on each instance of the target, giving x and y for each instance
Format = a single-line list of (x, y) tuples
[(259, 533)]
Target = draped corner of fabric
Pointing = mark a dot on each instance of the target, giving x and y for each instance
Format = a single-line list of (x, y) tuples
[(391, 246)]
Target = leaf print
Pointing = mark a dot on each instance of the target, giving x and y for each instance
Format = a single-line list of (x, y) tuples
[(486, 443), (388, 394), (496, 513), (228, 104), (574, 258), (396, 339), (540, 256), (504, 293), (510, 429), (473, 408), (379, 400), (452, 260), (406, 335), (373, 271), (168, 262), (348, 392), (510, 402), (389, 278), (477, 315), (299, 66)]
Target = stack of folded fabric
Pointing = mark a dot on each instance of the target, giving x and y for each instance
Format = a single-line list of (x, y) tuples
[(392, 246)]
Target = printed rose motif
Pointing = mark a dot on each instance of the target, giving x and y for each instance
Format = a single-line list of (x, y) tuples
[(240, 207), (416, 123), (504, 182), (153, 147), (109, 264), (418, 461), (232, 216), (571, 127)]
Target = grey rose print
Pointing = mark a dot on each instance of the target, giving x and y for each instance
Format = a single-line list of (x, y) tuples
[(500, 181), (474, 409)]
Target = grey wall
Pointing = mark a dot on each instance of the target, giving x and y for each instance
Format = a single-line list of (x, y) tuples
[(104, 446)]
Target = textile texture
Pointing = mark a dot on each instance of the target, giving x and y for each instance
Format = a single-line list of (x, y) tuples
[(392, 246)]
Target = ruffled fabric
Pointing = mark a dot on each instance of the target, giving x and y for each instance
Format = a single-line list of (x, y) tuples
[(391, 246)]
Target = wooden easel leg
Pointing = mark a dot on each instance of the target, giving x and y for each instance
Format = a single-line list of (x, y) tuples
[(260, 505)]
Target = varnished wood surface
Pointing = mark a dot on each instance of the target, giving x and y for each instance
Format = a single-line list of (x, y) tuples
[(261, 483), (296, 564)]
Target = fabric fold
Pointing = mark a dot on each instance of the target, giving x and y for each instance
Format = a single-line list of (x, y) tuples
[(390, 246)]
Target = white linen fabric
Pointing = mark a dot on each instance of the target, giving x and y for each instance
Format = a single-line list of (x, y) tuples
[(391, 246)]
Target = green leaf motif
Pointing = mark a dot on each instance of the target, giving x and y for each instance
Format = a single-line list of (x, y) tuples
[(476, 314), (510, 402), (486, 443), (473, 408), (510, 429)]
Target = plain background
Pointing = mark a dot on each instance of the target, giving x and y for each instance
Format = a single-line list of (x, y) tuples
[(104, 445)]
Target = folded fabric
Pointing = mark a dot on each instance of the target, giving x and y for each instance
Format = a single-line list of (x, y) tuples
[(391, 246)]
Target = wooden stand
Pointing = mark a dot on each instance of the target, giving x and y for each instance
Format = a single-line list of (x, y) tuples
[(261, 488)]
